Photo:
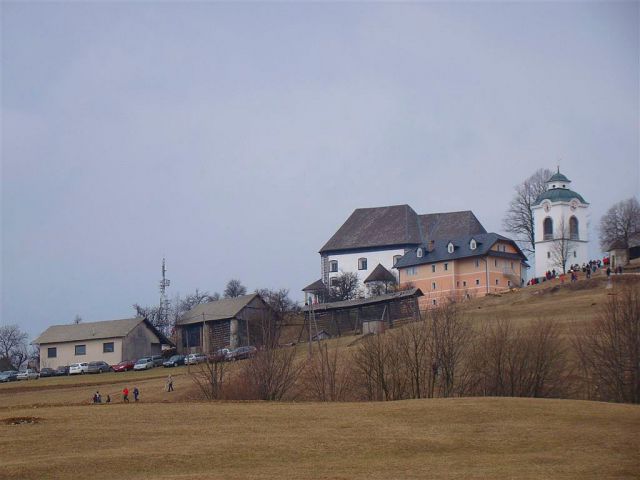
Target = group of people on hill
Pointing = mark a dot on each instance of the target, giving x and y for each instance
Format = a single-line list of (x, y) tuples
[(97, 398), (587, 268)]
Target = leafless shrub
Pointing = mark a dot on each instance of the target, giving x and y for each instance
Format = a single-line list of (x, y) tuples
[(210, 378), (416, 350), (272, 373), (522, 362), (609, 349), (325, 378)]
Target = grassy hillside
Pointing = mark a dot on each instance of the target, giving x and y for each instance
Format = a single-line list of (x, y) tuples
[(446, 438)]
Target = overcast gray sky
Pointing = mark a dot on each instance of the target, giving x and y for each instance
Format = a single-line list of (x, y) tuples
[(235, 138)]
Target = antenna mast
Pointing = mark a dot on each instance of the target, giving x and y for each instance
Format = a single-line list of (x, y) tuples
[(163, 313)]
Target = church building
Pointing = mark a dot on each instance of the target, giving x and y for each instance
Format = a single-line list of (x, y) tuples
[(561, 218)]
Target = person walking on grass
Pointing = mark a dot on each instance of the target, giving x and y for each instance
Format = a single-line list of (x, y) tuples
[(170, 384), (136, 393), (125, 395)]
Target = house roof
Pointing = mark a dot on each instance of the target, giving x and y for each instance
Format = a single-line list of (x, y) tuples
[(361, 302), (219, 310), (316, 286), (399, 226), (462, 249), (93, 330), (380, 274), (558, 177)]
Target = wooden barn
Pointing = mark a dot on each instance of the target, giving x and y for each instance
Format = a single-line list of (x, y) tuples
[(230, 322), (365, 315)]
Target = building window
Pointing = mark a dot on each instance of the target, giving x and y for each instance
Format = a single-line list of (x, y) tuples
[(81, 349), (497, 281), (412, 271), (477, 282), (464, 283), (511, 265), (473, 244), (52, 352), (362, 264), (107, 347), (446, 267), (434, 301), (548, 254), (450, 247), (333, 281), (574, 254), (433, 285), (508, 283), (547, 228), (573, 228), (477, 263), (433, 268), (495, 262), (419, 252), (333, 266), (396, 258)]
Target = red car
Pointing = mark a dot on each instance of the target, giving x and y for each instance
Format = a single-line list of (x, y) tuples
[(123, 366)]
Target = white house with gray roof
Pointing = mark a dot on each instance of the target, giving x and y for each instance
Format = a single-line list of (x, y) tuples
[(112, 341), (381, 236)]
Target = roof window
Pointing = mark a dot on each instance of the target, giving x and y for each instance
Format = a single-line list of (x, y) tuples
[(473, 244), (450, 247), (419, 252)]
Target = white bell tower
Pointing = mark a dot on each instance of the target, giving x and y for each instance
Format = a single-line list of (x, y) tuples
[(561, 232)]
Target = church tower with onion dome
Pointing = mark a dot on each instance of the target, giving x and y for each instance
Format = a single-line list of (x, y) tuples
[(561, 233)]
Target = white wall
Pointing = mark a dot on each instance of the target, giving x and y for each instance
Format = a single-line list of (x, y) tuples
[(348, 262)]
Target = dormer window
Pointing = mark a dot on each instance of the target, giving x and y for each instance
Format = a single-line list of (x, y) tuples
[(419, 252), (472, 244), (450, 247)]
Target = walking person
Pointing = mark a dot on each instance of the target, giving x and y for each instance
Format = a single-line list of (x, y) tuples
[(125, 395), (170, 384), (136, 393)]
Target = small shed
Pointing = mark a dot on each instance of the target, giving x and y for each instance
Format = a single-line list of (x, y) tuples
[(365, 315), (230, 322), (380, 281)]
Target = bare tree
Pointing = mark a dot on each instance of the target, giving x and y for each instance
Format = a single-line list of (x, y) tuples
[(272, 373), (210, 377), (325, 378), (620, 222), (13, 345), (414, 342), (518, 219), (234, 289), (279, 300), (609, 349), (77, 319), (345, 286), (562, 247)]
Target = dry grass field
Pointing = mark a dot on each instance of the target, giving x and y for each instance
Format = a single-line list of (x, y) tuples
[(175, 436), (445, 438)]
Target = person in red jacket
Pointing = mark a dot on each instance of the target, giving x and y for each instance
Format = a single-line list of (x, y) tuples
[(125, 395)]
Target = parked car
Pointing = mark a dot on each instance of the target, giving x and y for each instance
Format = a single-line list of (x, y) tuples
[(9, 376), (62, 370), (194, 358), (78, 368), (174, 361), (98, 367), (220, 355), (124, 366), (47, 372), (157, 360), (27, 374), (144, 364), (241, 353)]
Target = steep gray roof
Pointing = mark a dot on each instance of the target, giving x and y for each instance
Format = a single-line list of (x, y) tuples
[(380, 274), (316, 286), (438, 226), (218, 310), (89, 331), (559, 195), (399, 226), (462, 249), (558, 177)]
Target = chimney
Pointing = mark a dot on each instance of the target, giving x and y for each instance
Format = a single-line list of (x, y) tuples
[(431, 245)]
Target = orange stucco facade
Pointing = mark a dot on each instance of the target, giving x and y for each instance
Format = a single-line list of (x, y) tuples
[(464, 278)]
